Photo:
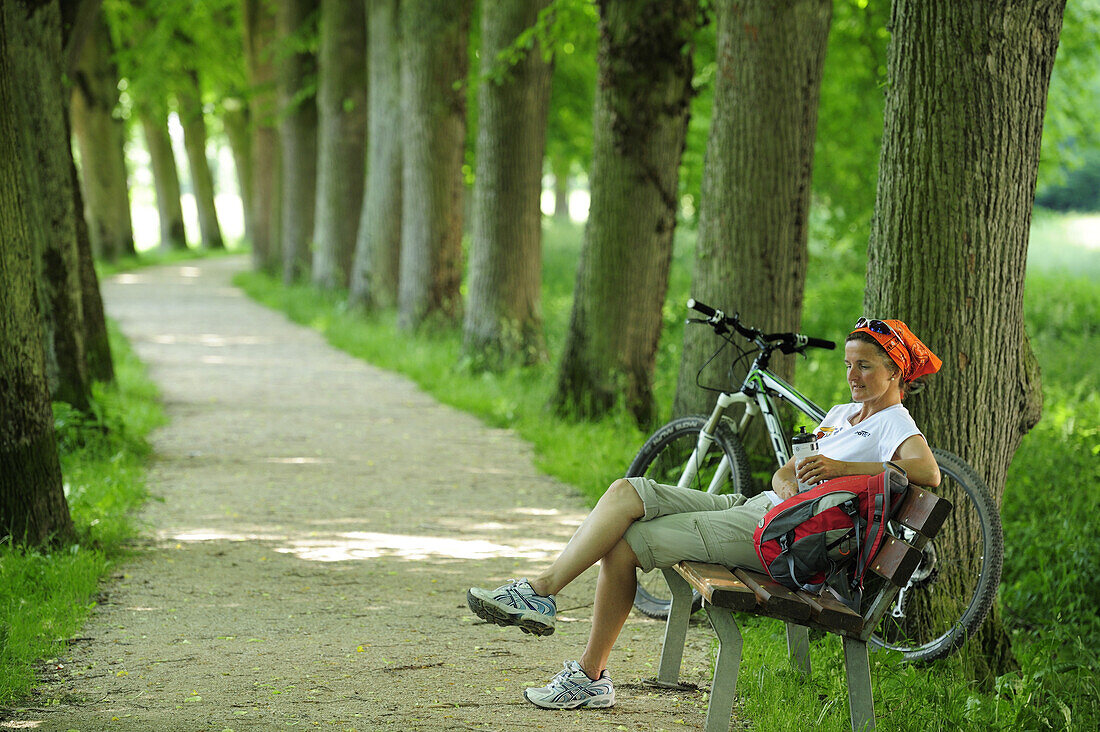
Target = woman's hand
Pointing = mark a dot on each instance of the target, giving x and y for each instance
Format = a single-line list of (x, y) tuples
[(818, 468)]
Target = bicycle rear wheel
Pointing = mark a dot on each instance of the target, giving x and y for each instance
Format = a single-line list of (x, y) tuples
[(956, 582), (663, 458)]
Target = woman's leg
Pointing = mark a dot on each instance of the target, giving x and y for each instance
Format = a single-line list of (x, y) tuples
[(598, 535), (614, 597)]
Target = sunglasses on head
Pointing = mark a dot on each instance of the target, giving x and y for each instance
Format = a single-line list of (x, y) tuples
[(878, 326)]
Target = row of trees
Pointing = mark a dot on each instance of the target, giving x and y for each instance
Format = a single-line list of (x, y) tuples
[(354, 136)]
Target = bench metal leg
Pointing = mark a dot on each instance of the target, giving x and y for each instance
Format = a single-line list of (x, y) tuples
[(858, 668), (798, 647), (672, 650), (724, 686)]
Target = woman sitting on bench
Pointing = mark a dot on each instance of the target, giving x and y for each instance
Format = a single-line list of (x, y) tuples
[(638, 523)]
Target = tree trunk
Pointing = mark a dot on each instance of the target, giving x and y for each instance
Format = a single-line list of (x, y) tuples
[(173, 236), (434, 60), (101, 138), (193, 119), (97, 344), (35, 55), (751, 254), (341, 140), (259, 37), (640, 118), (963, 122), (33, 509), (235, 120), (78, 18), (378, 245), (560, 166), (298, 132), (504, 311)]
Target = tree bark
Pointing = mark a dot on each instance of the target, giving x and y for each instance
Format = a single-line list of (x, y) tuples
[(504, 310), (963, 122), (377, 260), (77, 20), (35, 55), (560, 169), (640, 121), (97, 344), (235, 119), (101, 139), (751, 253), (33, 509), (298, 133), (341, 140), (166, 180), (193, 119), (259, 36), (434, 61)]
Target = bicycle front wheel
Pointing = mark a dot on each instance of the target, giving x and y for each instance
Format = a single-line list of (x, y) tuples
[(954, 586), (663, 458)]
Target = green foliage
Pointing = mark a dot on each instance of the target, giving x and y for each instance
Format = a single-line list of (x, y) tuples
[(159, 43), (45, 597), (850, 116), (1072, 121), (572, 86)]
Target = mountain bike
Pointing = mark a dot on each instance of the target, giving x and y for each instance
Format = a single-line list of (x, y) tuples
[(952, 589)]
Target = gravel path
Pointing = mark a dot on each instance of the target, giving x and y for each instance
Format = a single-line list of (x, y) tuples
[(317, 523)]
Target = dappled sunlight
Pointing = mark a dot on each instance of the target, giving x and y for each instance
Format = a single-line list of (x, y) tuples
[(213, 535), (358, 545), (299, 460), (372, 545), (212, 340)]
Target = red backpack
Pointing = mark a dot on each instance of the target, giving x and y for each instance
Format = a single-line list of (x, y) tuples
[(806, 538)]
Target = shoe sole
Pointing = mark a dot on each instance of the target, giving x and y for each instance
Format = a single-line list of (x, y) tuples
[(499, 616), (577, 704)]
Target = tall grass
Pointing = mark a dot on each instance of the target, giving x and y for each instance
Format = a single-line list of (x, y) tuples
[(45, 596), (1050, 509)]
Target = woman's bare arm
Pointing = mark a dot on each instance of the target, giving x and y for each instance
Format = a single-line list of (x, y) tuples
[(913, 456)]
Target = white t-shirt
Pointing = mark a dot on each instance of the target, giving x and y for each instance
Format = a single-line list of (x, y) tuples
[(873, 440)]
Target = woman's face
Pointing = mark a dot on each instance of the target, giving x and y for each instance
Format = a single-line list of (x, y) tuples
[(869, 377)]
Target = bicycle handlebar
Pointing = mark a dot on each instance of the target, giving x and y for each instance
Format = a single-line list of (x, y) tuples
[(786, 342)]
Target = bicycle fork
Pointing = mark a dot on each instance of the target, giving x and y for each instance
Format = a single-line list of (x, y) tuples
[(706, 440)]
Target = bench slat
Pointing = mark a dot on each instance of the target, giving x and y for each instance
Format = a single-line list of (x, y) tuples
[(831, 614), (923, 511), (718, 585), (776, 601), (895, 561)]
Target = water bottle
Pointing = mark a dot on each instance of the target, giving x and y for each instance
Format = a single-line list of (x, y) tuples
[(803, 445)]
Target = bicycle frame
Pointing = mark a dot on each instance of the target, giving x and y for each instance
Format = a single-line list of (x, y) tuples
[(757, 392)]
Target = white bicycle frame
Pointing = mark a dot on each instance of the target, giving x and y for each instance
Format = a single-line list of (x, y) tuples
[(756, 394)]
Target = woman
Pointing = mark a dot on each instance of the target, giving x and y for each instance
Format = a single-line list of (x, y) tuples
[(639, 524)]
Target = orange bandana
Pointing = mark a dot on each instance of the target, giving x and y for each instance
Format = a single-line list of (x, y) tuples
[(906, 350)]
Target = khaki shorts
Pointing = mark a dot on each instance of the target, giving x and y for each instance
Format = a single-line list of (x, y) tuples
[(684, 524)]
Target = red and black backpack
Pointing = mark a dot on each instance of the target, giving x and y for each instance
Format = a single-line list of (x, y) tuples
[(807, 538)]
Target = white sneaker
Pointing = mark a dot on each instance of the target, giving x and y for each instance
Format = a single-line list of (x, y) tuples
[(572, 689), (515, 603)]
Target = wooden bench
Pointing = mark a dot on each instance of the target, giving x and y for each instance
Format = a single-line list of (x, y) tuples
[(726, 592)]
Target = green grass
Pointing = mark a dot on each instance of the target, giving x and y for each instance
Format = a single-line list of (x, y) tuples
[(46, 596), (1051, 503)]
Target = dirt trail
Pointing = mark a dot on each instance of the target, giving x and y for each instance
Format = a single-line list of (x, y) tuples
[(317, 524)]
